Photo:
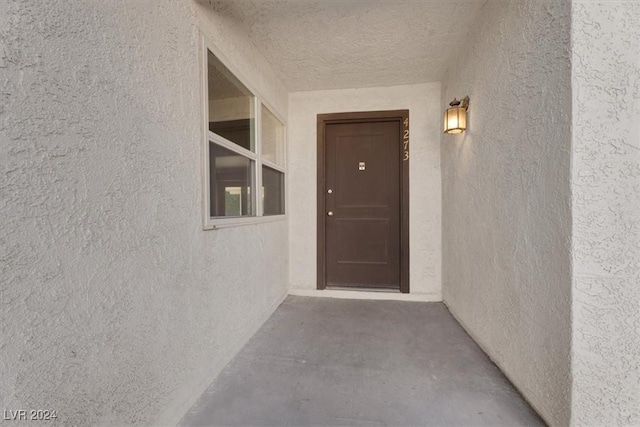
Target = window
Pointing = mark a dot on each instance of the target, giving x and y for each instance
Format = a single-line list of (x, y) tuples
[(272, 191), (273, 161), (272, 138), (231, 181), (245, 146), (231, 106)]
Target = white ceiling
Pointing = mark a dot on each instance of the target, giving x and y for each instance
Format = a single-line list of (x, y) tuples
[(333, 44)]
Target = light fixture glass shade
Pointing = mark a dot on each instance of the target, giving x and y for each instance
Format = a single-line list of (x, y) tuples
[(455, 119)]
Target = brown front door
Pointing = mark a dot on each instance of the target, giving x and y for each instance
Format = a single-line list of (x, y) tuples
[(362, 203)]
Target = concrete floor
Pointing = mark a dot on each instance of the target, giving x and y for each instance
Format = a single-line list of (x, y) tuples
[(332, 362)]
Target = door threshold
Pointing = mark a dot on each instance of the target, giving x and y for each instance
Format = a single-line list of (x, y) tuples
[(365, 294), (362, 289)]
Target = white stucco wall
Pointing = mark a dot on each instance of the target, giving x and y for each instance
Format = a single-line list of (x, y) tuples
[(507, 200), (606, 213), (423, 103), (116, 306)]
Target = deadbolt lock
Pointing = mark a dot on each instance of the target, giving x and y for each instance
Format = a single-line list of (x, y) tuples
[(329, 191), (330, 213)]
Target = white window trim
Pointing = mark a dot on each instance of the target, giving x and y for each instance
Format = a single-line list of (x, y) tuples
[(214, 223)]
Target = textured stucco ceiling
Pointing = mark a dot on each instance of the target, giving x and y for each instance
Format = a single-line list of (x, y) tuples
[(331, 44)]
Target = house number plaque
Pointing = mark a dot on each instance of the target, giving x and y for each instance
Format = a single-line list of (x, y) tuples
[(405, 140)]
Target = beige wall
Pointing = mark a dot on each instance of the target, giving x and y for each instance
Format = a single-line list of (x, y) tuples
[(117, 307), (507, 197), (606, 213), (423, 103)]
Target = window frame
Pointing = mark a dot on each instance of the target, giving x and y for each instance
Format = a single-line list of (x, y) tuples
[(213, 223)]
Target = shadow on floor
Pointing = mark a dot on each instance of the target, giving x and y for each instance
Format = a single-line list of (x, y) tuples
[(333, 362)]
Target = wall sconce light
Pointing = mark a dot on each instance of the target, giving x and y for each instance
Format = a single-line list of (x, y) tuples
[(455, 118)]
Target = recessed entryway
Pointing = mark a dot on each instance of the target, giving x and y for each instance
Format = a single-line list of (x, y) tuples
[(363, 231)]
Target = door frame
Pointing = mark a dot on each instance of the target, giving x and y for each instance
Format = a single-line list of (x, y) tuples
[(401, 116)]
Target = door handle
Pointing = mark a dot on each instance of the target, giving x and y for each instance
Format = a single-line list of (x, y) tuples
[(330, 213)]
